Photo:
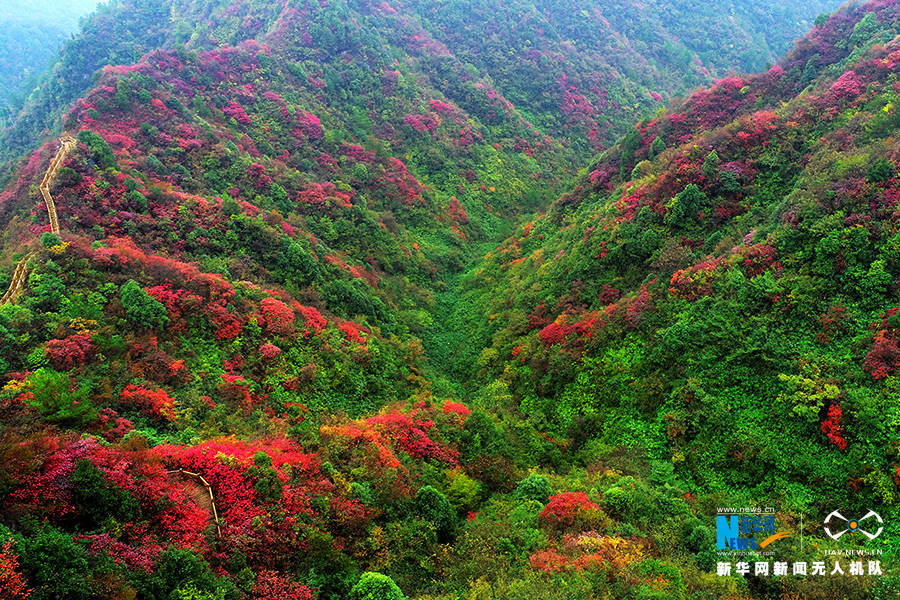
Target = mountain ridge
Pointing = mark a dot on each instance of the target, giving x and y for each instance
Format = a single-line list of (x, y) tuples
[(267, 275)]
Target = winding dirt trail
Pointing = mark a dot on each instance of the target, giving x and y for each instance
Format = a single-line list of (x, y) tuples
[(207, 502), (67, 143), (18, 280)]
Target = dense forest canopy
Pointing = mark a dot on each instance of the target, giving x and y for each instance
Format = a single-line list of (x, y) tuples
[(451, 300), (579, 70)]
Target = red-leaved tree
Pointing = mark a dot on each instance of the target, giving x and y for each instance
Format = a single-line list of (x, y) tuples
[(831, 426), (270, 585), (69, 352), (279, 317), (566, 509), (155, 403), (12, 585)]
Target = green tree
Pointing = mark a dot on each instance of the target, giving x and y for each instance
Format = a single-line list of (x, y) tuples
[(433, 506), (657, 147), (49, 240), (462, 490), (138, 201), (141, 308), (810, 71), (101, 152), (55, 564), (98, 499), (534, 487), (864, 30), (684, 207), (47, 287), (880, 171), (231, 207), (375, 586), (807, 392), (350, 298), (190, 592), (177, 567), (280, 197), (711, 165), (297, 263), (53, 396), (123, 93), (629, 145), (266, 481)]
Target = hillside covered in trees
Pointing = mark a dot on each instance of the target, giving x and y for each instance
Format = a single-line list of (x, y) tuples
[(580, 72), (359, 300)]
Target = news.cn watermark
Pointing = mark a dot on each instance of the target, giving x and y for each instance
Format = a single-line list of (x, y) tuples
[(745, 533)]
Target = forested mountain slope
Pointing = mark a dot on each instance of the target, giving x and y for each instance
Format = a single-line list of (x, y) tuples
[(580, 72), (256, 359), (720, 288)]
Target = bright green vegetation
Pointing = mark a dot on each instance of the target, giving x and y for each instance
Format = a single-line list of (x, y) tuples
[(334, 312)]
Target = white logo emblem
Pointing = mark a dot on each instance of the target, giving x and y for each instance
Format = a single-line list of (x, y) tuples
[(852, 525)]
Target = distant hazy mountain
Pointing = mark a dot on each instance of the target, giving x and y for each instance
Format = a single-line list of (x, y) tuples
[(31, 33)]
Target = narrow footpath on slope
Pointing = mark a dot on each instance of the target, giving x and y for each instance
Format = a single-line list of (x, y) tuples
[(67, 143)]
